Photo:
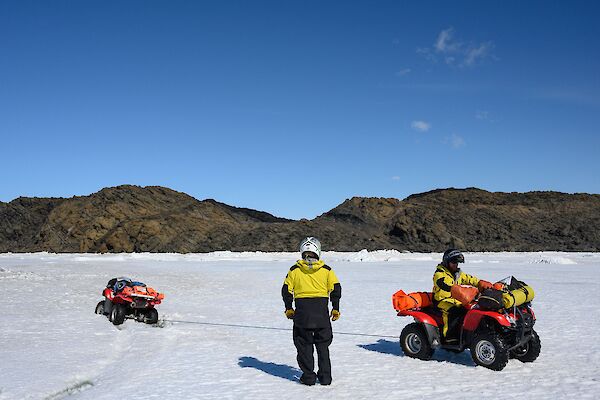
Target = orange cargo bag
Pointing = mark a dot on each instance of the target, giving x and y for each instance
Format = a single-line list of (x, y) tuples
[(463, 293), (402, 301)]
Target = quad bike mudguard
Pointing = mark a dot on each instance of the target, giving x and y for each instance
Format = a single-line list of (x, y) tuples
[(474, 316), (421, 316), (430, 321), (519, 319)]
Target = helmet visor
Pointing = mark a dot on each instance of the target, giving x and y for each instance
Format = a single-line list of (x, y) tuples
[(310, 255), (457, 259)]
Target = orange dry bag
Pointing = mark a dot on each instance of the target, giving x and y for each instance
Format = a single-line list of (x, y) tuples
[(463, 293), (402, 301)]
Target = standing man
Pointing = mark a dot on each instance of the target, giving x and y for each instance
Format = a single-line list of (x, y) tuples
[(310, 283)]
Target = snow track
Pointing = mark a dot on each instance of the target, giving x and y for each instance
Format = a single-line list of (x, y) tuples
[(222, 333)]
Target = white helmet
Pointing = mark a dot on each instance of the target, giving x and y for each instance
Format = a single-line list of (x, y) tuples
[(312, 245)]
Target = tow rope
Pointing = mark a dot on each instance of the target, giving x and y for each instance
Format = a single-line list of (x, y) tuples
[(271, 328)]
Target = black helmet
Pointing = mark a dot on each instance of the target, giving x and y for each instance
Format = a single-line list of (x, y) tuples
[(452, 255)]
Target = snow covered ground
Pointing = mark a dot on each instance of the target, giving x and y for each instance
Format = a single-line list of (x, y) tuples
[(223, 334)]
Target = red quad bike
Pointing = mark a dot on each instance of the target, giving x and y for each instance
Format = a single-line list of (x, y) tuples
[(492, 336), (126, 299)]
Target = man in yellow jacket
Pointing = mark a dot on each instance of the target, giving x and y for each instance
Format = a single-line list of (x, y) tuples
[(310, 283), (447, 274)]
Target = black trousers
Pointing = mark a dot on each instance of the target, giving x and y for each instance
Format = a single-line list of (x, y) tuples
[(456, 316), (305, 340)]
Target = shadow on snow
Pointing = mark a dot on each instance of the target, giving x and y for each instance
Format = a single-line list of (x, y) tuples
[(383, 346), (393, 348), (278, 370)]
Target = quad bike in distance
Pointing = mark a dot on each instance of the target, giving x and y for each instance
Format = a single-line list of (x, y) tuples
[(127, 299)]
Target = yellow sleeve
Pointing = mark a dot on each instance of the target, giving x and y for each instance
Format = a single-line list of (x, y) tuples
[(331, 280), (289, 281), (467, 279), (443, 283)]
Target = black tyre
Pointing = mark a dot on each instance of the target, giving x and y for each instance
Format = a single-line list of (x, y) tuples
[(414, 342), (140, 316), (100, 307), (530, 351), (117, 316), (151, 316), (488, 350)]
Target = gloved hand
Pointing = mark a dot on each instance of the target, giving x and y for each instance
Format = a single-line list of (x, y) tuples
[(335, 315), (482, 285), (289, 313)]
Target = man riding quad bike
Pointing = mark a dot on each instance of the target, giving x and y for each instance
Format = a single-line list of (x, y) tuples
[(494, 325), (124, 298), (498, 325)]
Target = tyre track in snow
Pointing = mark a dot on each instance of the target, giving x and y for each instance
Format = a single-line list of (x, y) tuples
[(133, 355)]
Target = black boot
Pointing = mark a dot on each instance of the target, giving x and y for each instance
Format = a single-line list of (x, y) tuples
[(309, 381)]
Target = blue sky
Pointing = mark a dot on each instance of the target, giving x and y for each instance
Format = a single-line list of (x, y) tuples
[(291, 107)]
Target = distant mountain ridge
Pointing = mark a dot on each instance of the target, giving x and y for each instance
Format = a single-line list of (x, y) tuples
[(156, 219)]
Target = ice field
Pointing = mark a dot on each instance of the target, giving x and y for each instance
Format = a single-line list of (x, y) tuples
[(222, 333)]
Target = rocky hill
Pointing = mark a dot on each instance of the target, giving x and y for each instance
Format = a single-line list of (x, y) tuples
[(156, 219)]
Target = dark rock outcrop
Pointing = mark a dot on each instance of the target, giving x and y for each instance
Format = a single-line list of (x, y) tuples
[(21, 221), (156, 219)]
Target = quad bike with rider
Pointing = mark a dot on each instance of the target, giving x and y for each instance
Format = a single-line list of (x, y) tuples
[(496, 327), (127, 299)]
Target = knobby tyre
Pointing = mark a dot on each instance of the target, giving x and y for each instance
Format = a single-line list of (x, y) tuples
[(489, 350), (100, 308), (530, 351), (117, 314), (414, 342), (151, 316)]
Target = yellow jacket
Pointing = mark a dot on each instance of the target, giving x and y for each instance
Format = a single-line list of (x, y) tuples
[(310, 280), (310, 285)]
